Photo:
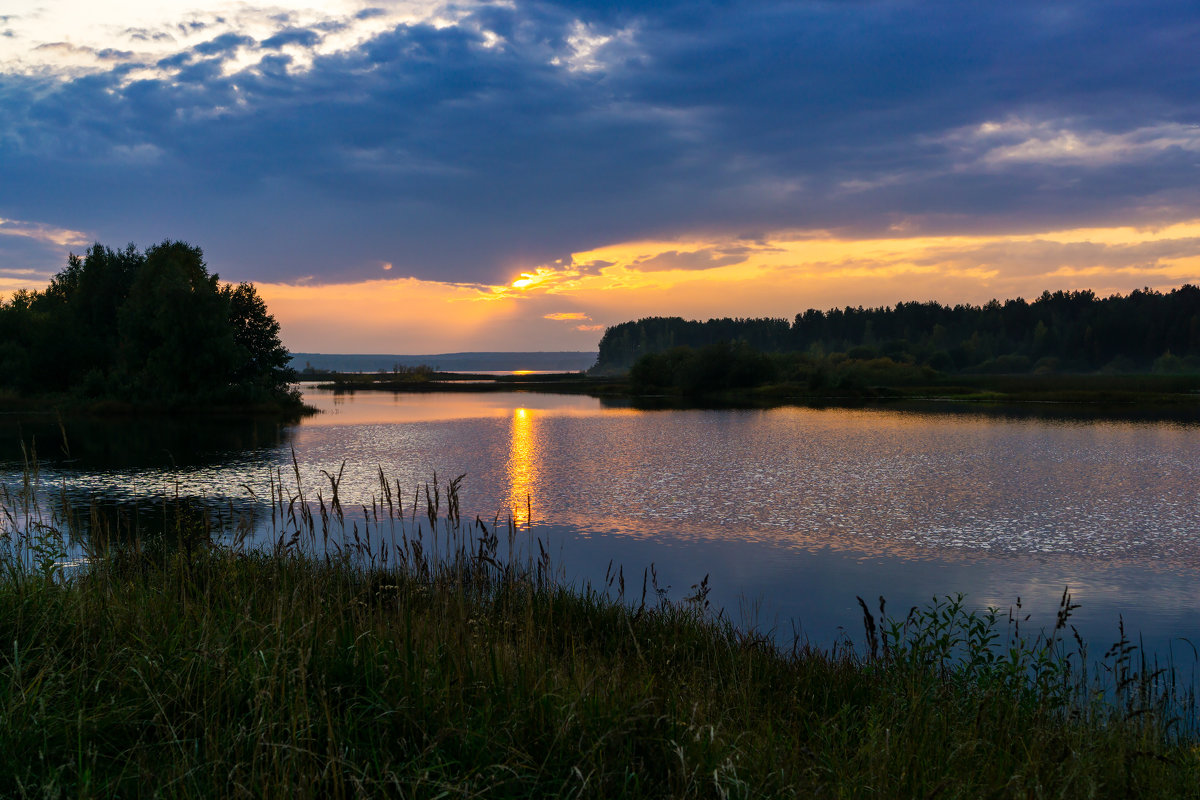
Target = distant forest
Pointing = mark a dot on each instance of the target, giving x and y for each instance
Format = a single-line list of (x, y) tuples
[(146, 328), (1058, 332)]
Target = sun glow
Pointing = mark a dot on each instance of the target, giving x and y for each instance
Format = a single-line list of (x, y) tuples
[(530, 280), (567, 304)]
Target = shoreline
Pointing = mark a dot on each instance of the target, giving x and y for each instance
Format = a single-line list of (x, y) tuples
[(60, 404), (1101, 395)]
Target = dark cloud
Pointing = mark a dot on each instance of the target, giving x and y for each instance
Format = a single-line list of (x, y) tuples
[(304, 38), (176, 60), (225, 43), (593, 267), (191, 26), (456, 155), (112, 54), (694, 260)]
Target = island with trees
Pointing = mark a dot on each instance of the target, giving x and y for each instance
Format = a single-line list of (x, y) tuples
[(144, 330)]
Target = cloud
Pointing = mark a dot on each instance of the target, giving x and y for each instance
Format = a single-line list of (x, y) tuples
[(1031, 257), (696, 259), (566, 315), (296, 36), (550, 127), (225, 43), (65, 48), (148, 35), (1018, 141), (41, 232)]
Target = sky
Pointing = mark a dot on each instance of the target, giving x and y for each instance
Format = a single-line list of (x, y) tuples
[(428, 177)]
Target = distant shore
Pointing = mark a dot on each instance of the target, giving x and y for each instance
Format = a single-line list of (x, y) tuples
[(1179, 393)]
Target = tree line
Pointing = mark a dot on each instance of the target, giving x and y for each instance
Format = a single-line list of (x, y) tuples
[(1145, 330), (144, 327)]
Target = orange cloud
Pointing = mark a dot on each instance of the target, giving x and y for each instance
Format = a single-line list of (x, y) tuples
[(41, 232), (566, 315)]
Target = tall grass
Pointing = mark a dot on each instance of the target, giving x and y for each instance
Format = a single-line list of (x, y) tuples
[(403, 649)]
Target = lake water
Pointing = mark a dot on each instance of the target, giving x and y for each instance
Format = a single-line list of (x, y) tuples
[(792, 512)]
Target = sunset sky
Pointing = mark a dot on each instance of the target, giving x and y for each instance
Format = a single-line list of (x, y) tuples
[(426, 177)]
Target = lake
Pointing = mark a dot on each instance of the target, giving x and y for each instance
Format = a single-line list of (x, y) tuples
[(792, 512)]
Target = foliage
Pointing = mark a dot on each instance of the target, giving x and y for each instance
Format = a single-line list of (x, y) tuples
[(1057, 332), (714, 367), (724, 366), (149, 327)]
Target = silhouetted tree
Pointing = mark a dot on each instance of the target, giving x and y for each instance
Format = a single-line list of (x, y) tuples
[(152, 327), (264, 359), (1059, 331)]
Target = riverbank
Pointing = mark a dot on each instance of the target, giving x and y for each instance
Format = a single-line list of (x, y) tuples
[(69, 404), (556, 382), (1116, 393), (176, 667)]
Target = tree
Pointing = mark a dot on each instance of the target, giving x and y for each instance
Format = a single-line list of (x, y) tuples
[(176, 343), (264, 359), (148, 328)]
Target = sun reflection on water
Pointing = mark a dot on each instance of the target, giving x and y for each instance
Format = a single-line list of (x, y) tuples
[(522, 466)]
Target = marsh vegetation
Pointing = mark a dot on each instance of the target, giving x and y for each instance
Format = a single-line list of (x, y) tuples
[(412, 650)]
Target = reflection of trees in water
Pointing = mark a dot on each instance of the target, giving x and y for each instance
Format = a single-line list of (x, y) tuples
[(125, 442), (183, 520), (1183, 413), (121, 451)]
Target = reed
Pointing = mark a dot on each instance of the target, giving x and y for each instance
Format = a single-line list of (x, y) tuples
[(403, 649)]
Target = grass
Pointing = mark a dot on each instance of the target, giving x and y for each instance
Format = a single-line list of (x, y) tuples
[(448, 662)]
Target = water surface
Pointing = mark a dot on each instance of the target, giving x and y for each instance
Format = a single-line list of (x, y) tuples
[(791, 511)]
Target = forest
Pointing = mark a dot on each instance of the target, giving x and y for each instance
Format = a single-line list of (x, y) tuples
[(1060, 332), (147, 328)]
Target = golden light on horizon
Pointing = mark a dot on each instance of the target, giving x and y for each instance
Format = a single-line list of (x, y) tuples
[(570, 302)]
